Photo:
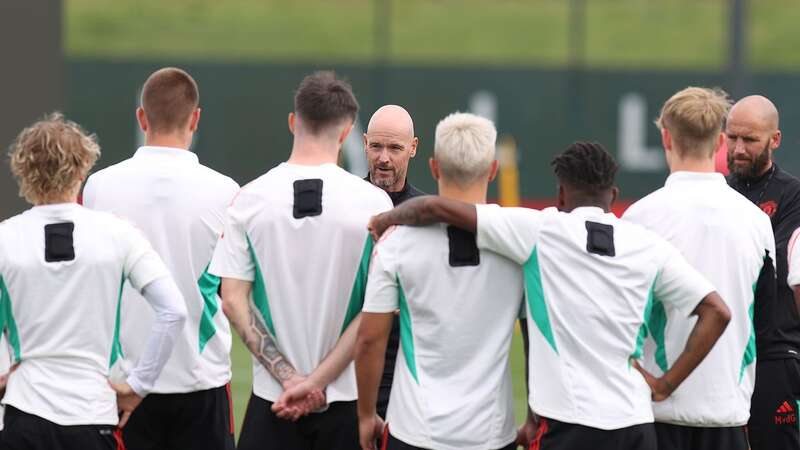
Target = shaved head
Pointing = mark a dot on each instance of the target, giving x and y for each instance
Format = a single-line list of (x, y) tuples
[(392, 119), (756, 108), (752, 134), (390, 144)]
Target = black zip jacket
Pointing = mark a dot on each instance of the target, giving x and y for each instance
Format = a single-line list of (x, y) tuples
[(777, 321)]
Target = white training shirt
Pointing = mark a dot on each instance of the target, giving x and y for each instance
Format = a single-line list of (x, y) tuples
[(726, 237), (62, 317), (587, 311), (793, 258), (179, 205), (5, 366), (454, 390), (308, 273)]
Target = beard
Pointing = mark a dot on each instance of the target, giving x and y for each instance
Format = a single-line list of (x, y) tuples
[(386, 182), (756, 167)]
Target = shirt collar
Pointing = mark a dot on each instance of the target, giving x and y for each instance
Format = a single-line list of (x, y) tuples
[(588, 211), (695, 177), (55, 208), (167, 152)]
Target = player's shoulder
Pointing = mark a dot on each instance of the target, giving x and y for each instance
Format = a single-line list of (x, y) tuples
[(216, 179), (110, 173), (654, 201), (365, 192)]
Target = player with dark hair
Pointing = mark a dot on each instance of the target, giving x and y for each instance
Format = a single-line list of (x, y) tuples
[(590, 280), (179, 204), (293, 262), (62, 270)]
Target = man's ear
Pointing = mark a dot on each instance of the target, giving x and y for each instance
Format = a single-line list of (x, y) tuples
[(414, 144), (666, 139), (434, 166), (561, 198), (194, 120), (345, 132), (291, 122), (141, 117), (614, 195), (493, 170), (775, 140)]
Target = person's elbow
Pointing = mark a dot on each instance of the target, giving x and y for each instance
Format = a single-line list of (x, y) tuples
[(367, 341), (178, 313), (717, 311)]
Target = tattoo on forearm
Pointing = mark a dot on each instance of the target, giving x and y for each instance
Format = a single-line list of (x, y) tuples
[(263, 346), (412, 212)]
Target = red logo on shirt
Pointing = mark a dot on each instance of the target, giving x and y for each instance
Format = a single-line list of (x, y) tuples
[(785, 414), (769, 208)]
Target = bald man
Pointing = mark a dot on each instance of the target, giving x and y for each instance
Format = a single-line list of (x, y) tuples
[(390, 144), (752, 135)]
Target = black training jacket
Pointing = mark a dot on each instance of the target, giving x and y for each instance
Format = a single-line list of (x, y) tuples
[(777, 321)]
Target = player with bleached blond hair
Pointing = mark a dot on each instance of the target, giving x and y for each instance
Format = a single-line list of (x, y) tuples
[(729, 240), (62, 268), (452, 386)]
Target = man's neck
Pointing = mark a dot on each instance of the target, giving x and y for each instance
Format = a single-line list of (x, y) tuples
[(475, 193), (691, 165), (312, 152), (168, 140)]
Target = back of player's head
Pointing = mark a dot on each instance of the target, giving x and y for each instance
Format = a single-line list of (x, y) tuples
[(322, 100), (51, 158), (694, 118), (587, 167), (169, 97), (464, 147)]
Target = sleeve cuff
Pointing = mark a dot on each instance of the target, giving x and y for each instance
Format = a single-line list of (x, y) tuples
[(137, 386)]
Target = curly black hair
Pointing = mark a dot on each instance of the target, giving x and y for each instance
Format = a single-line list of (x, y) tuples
[(586, 166)]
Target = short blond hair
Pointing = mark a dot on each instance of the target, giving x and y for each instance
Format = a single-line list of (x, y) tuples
[(464, 147), (695, 117), (51, 158)]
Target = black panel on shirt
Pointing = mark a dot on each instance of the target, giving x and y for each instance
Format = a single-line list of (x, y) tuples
[(777, 320), (58, 245), (307, 198), (463, 248), (600, 239)]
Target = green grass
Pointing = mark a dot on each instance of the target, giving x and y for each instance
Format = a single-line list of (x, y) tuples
[(619, 33), (241, 383)]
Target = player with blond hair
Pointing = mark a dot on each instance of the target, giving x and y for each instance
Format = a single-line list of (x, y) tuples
[(727, 239), (452, 386), (62, 269)]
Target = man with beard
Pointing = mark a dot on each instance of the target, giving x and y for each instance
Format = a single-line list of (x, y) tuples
[(752, 135), (390, 144)]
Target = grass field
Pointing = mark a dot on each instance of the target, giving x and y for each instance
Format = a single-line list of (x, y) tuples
[(242, 378), (627, 33)]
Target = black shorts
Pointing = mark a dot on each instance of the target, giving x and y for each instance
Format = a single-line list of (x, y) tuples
[(334, 429), (199, 420), (774, 406), (23, 431), (679, 437), (555, 435), (392, 443)]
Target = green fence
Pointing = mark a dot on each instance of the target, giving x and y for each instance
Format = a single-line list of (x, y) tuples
[(243, 129)]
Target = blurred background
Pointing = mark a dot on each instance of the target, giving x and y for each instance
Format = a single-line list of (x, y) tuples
[(549, 72)]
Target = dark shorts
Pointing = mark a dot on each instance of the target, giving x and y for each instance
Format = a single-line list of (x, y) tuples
[(555, 435), (23, 431), (679, 437), (334, 429), (392, 443), (199, 420), (774, 406)]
